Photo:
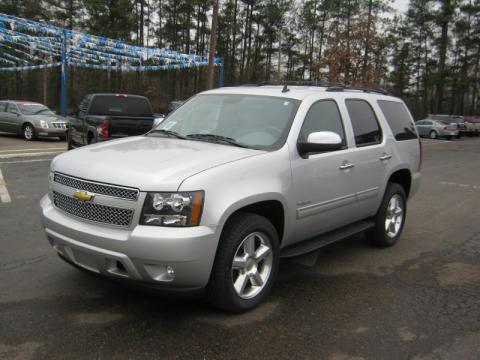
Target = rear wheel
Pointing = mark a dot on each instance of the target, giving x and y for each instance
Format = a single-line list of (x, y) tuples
[(91, 139), (390, 217), (433, 134), (246, 263), (29, 132)]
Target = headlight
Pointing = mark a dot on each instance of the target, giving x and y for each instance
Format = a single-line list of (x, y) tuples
[(172, 209), (44, 124)]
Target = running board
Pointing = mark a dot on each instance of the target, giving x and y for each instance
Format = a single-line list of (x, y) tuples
[(315, 243)]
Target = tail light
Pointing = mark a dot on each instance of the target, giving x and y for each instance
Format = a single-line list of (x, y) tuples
[(420, 159), (105, 129), (445, 128)]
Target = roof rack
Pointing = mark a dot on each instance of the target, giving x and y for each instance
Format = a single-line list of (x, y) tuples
[(331, 87)]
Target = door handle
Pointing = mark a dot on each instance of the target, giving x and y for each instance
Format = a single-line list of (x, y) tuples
[(346, 166), (385, 157)]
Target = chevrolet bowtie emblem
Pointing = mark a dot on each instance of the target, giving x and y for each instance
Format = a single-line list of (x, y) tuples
[(83, 196)]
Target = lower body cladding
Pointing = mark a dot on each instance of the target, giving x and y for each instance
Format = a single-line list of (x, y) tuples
[(177, 259)]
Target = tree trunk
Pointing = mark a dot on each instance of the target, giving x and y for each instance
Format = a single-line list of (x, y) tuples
[(445, 22), (213, 45), (234, 45)]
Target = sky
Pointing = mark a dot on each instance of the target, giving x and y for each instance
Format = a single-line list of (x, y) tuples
[(400, 5)]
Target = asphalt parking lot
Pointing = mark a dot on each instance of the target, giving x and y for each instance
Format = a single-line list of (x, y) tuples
[(419, 299)]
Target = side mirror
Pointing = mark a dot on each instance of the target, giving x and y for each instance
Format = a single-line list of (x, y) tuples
[(319, 142)]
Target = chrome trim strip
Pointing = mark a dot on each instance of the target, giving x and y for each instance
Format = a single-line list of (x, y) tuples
[(367, 194), (314, 209), (96, 183)]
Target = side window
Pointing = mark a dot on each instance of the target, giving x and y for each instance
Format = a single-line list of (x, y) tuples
[(421, 122), (398, 119), (323, 116), (428, 123), (83, 107), (12, 108), (3, 106), (364, 122)]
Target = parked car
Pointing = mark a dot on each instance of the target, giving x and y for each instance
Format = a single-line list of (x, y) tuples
[(436, 129), (456, 120), (472, 125), (102, 117), (231, 182), (31, 120)]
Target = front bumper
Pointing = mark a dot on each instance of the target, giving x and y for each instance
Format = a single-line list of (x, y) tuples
[(51, 132), (141, 254)]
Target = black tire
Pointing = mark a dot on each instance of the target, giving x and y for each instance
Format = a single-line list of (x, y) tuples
[(449, 137), (28, 132), (220, 289), (63, 138), (433, 134), (91, 139), (378, 234)]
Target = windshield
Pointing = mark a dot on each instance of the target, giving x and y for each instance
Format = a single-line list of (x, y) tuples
[(259, 122), (34, 109)]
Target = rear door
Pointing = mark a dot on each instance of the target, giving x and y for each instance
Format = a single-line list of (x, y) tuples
[(3, 116), (370, 157), (12, 118)]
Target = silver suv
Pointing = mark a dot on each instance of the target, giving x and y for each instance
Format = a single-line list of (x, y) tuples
[(232, 181)]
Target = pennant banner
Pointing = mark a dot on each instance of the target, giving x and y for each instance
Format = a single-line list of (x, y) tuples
[(26, 44)]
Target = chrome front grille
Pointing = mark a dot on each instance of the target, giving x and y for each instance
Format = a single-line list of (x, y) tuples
[(97, 188), (59, 125), (93, 212)]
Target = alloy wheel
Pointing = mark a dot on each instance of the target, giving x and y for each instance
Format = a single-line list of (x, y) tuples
[(394, 217), (252, 265), (28, 132)]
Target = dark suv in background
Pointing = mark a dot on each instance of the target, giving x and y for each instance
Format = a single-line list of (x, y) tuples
[(102, 117)]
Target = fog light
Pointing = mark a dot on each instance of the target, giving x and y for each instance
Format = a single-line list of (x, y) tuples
[(170, 271)]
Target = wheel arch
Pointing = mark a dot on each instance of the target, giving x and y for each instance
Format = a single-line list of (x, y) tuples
[(272, 209), (402, 177)]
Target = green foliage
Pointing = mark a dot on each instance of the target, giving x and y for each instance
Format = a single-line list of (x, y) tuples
[(429, 55)]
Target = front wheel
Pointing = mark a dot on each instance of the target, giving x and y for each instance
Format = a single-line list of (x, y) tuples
[(29, 132), (390, 217), (246, 263), (433, 134)]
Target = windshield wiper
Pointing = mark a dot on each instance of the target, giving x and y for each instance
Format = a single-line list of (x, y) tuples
[(169, 133), (217, 139)]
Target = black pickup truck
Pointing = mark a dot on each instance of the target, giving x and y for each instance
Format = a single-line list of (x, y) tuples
[(102, 117)]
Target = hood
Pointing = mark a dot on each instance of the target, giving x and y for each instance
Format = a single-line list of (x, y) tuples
[(146, 163), (44, 117)]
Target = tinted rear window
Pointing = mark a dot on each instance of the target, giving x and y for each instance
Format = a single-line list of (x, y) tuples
[(120, 105), (398, 119), (364, 122)]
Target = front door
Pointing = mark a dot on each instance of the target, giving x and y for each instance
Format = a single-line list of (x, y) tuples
[(322, 183)]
